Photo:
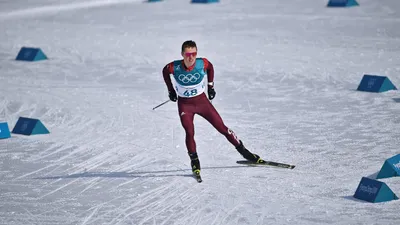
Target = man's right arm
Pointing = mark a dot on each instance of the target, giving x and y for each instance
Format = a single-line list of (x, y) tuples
[(167, 71)]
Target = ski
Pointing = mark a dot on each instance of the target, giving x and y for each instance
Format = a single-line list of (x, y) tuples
[(266, 163), (197, 176)]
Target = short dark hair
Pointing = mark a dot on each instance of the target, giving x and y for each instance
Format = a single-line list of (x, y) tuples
[(188, 44)]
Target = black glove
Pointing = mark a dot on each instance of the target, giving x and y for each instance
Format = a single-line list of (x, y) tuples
[(211, 92), (172, 96)]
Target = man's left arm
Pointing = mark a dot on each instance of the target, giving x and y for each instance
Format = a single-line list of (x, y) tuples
[(209, 68)]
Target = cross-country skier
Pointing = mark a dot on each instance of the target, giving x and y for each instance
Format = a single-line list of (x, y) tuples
[(190, 84)]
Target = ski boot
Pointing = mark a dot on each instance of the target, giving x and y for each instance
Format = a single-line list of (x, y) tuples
[(247, 154), (194, 163)]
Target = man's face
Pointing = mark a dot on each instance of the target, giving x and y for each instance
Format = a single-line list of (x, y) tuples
[(189, 56)]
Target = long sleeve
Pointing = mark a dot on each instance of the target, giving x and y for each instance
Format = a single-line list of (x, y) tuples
[(209, 68), (167, 71)]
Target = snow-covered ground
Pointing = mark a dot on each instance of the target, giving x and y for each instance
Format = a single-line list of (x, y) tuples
[(286, 74)]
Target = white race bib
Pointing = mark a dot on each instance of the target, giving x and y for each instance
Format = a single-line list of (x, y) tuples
[(190, 91)]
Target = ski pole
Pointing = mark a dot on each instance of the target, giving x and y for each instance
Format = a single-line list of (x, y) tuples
[(161, 104)]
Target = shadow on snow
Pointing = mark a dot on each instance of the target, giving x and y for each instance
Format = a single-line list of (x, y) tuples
[(139, 174)]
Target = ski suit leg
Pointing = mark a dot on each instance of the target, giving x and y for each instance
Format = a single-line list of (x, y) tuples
[(186, 115), (209, 113)]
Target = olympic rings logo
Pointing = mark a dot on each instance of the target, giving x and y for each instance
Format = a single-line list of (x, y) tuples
[(186, 78)]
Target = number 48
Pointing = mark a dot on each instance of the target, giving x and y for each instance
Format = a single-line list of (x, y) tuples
[(188, 93)]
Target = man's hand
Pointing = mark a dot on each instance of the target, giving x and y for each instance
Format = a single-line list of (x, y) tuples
[(172, 96), (211, 92)]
